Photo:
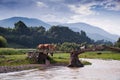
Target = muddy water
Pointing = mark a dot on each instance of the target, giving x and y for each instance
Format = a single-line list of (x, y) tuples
[(99, 70)]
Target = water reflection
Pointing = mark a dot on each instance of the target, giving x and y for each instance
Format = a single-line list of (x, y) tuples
[(99, 70)]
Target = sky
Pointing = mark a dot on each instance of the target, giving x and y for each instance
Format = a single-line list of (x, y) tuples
[(102, 13)]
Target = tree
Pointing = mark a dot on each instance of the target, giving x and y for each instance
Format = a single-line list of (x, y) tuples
[(32, 36), (41, 30), (3, 30), (21, 28), (64, 34), (66, 46), (3, 42), (83, 33), (105, 42), (118, 43)]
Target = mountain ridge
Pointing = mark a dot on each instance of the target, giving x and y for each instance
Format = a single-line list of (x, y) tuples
[(92, 31), (9, 22)]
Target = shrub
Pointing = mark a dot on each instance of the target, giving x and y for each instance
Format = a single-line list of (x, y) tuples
[(66, 46), (10, 51), (3, 42)]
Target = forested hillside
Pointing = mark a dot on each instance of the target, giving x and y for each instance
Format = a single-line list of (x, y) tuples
[(23, 36), (94, 32)]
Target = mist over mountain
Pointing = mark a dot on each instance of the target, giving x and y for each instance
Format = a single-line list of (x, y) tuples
[(9, 22), (23, 36), (92, 31)]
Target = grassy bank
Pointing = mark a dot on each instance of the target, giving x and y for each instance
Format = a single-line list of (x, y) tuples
[(103, 55), (13, 57), (9, 51), (13, 60), (64, 58), (12, 51)]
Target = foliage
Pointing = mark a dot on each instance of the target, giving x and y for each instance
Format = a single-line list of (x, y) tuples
[(98, 42), (3, 42), (64, 34), (21, 28), (29, 37), (118, 43), (11, 51), (67, 47)]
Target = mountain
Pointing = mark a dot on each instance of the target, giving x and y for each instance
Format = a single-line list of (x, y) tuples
[(92, 31), (54, 23), (23, 36), (9, 22)]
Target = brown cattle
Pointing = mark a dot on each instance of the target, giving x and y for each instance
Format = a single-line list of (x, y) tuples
[(46, 48)]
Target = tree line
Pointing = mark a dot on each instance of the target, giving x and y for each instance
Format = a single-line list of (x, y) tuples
[(23, 36)]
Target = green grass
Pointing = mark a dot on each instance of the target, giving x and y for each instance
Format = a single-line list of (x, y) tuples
[(61, 57), (15, 57), (13, 60), (9, 51), (64, 58), (104, 55), (12, 51)]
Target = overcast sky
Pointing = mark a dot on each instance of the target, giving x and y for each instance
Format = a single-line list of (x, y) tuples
[(102, 13)]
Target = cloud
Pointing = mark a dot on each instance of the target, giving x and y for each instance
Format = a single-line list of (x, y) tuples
[(101, 22), (56, 0), (41, 4), (93, 7), (88, 11), (111, 5), (75, 18), (82, 9), (15, 4), (54, 18)]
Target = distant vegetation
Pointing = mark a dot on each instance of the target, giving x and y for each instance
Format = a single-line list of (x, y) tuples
[(117, 44), (12, 51), (3, 42), (22, 36)]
